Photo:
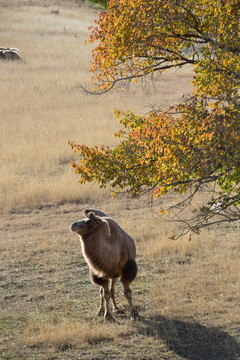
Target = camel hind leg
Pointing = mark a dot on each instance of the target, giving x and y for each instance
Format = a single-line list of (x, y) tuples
[(129, 273)]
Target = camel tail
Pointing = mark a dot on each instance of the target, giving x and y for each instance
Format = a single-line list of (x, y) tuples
[(129, 271)]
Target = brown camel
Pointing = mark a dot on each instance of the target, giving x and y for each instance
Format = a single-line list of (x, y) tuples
[(110, 253)]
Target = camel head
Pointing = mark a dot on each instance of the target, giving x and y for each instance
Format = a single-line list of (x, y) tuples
[(87, 226)]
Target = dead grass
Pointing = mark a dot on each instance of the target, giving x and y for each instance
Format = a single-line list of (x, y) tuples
[(187, 292), (200, 286), (42, 108), (70, 334)]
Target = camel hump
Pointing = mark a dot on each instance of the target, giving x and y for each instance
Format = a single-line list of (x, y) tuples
[(95, 211), (98, 223), (94, 218), (129, 271)]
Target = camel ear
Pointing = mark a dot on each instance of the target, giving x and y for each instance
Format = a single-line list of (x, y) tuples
[(94, 218)]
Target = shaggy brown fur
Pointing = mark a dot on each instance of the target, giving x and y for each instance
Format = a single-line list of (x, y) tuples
[(110, 253)]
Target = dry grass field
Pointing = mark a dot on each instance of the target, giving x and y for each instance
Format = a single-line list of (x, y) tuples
[(187, 292)]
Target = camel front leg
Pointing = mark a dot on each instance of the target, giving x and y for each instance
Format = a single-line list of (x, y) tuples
[(103, 283), (101, 309), (107, 296), (112, 292)]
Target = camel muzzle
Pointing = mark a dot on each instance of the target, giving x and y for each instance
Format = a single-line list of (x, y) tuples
[(75, 226)]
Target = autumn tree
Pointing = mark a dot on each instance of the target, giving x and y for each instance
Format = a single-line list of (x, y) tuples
[(191, 147)]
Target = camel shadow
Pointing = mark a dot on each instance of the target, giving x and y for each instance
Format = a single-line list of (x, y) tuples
[(192, 341)]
